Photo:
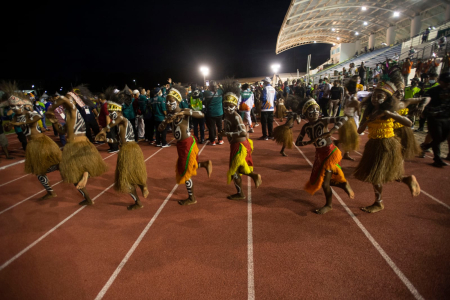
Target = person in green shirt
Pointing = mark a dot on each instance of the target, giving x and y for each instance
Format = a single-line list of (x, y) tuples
[(214, 112), (159, 113), (196, 101)]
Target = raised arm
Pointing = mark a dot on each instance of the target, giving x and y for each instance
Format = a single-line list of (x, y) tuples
[(397, 118), (193, 113)]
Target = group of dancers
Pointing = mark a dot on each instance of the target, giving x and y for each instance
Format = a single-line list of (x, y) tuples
[(391, 141)]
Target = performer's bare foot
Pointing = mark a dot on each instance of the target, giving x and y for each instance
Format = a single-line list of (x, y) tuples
[(48, 196), (348, 189), (135, 206), (413, 185), (144, 192), (83, 182), (346, 156), (236, 197), (257, 179), (376, 207), (188, 201), (86, 202), (323, 210), (282, 153)]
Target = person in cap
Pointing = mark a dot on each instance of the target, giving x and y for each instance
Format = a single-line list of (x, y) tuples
[(80, 159), (130, 168), (268, 99), (187, 163), (241, 147), (42, 154), (382, 160), (437, 113), (326, 171)]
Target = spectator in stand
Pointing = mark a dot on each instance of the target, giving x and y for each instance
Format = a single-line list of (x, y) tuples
[(425, 35), (351, 70), (267, 107), (406, 70), (159, 113), (412, 51), (442, 42), (129, 113), (104, 120), (432, 65), (424, 69), (396, 57), (362, 73), (324, 101), (214, 112), (344, 72), (377, 73), (369, 76)]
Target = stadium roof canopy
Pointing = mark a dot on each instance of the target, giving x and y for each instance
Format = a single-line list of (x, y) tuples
[(345, 21)]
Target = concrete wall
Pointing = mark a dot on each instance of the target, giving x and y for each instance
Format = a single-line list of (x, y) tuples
[(347, 50)]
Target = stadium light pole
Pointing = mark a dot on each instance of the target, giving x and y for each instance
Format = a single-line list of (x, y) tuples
[(205, 72)]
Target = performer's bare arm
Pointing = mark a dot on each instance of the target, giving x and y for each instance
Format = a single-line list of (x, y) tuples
[(101, 136), (421, 101), (240, 132), (397, 118), (299, 141), (189, 112)]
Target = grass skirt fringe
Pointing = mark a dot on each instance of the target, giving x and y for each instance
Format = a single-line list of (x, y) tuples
[(130, 169), (281, 110), (410, 147), (187, 163), (78, 157), (240, 156), (348, 136), (283, 136), (381, 162), (327, 158), (42, 153)]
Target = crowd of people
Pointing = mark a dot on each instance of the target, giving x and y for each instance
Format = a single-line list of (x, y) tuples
[(226, 109)]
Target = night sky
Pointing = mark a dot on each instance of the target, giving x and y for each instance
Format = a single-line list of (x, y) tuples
[(101, 43)]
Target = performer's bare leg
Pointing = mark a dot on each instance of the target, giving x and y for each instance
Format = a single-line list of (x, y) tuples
[(412, 183), (346, 187), (347, 156), (144, 190), (191, 199), (43, 179), (207, 165), (256, 177), (237, 180), (378, 204), (282, 151), (328, 194), (137, 203), (81, 186)]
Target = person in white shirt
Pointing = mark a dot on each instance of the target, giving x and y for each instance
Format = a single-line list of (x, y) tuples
[(267, 107)]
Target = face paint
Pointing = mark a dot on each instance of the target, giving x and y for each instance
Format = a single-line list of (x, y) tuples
[(229, 109), (313, 113), (172, 105), (17, 108), (378, 98), (113, 115)]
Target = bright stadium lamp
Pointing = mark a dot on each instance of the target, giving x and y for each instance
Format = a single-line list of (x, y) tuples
[(356, 33), (205, 72), (333, 29), (365, 23), (32, 86), (396, 14), (275, 68), (314, 42), (363, 8), (338, 38)]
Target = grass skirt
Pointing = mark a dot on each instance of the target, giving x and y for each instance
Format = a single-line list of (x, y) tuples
[(281, 110), (348, 136), (327, 158), (187, 163), (42, 153), (240, 156), (381, 162), (283, 136), (410, 147), (78, 157), (130, 169)]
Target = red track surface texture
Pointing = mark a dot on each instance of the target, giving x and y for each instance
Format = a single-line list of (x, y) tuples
[(270, 246)]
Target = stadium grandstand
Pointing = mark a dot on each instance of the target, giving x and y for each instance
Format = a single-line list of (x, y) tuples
[(366, 31)]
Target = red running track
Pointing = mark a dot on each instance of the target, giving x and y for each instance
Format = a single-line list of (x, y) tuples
[(55, 249)]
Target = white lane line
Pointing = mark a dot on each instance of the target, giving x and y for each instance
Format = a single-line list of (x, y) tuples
[(250, 268), (377, 246), (13, 164), (158, 151), (26, 199), (49, 232), (14, 180), (130, 252), (133, 248)]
